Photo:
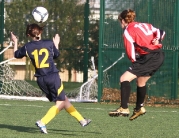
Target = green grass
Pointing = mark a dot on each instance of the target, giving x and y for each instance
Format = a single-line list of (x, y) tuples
[(71, 85), (17, 119), (68, 86)]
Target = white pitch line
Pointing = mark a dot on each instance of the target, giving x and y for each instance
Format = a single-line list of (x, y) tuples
[(174, 111), (113, 109), (22, 105), (6, 104), (92, 108), (163, 111), (28, 98)]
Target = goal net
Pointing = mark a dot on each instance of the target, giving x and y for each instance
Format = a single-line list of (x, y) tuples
[(15, 89), (88, 92)]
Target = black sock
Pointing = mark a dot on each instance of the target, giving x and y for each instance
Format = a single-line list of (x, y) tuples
[(125, 93), (141, 92)]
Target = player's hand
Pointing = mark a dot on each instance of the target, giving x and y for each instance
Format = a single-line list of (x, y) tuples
[(155, 41), (56, 40), (14, 38)]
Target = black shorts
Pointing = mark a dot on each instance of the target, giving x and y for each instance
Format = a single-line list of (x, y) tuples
[(52, 86), (147, 65)]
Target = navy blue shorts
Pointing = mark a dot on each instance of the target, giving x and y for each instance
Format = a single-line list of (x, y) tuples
[(52, 86), (148, 64)]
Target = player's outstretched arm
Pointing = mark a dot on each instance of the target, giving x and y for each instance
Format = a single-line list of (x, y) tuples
[(56, 40), (15, 40)]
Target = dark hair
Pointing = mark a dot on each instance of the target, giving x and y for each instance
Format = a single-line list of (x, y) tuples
[(33, 30), (127, 15)]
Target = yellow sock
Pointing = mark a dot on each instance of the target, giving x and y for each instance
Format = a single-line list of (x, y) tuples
[(73, 112), (52, 112)]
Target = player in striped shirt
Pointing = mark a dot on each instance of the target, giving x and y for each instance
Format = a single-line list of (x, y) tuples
[(143, 47), (41, 53)]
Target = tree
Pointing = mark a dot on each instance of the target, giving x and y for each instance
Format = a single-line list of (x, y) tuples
[(70, 24), (66, 17), (94, 40)]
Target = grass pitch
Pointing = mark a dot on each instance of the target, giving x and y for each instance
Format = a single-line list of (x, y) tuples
[(18, 117)]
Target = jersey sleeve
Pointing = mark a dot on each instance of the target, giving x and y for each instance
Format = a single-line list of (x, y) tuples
[(20, 53), (129, 46), (162, 35), (159, 34)]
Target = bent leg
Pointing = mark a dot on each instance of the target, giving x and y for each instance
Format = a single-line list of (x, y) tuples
[(141, 91), (72, 110), (52, 112), (125, 80)]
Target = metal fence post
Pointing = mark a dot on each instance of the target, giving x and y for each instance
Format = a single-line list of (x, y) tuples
[(1, 30), (1, 27), (100, 66), (86, 35), (175, 56)]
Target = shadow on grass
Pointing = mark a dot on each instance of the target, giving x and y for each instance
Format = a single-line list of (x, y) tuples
[(65, 132), (32, 130), (19, 128)]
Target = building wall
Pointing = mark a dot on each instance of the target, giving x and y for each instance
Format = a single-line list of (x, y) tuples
[(20, 71), (19, 67)]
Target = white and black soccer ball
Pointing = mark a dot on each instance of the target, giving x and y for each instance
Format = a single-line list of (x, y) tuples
[(40, 14)]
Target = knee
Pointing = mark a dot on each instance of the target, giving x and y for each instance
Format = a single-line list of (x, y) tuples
[(122, 78), (141, 83), (127, 76)]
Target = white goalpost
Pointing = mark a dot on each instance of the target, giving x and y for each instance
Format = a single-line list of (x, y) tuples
[(10, 45), (88, 91)]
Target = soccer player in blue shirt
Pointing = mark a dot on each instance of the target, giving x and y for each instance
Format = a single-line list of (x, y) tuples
[(42, 54)]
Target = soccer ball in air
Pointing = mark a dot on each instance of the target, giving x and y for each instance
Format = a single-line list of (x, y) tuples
[(40, 14)]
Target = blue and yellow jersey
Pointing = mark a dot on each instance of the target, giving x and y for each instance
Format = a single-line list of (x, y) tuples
[(41, 54)]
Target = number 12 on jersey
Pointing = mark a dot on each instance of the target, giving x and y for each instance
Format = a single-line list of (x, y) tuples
[(36, 53)]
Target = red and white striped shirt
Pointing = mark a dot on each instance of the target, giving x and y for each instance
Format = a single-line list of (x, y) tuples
[(141, 34)]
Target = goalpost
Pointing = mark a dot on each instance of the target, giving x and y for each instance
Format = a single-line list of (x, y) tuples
[(88, 91)]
